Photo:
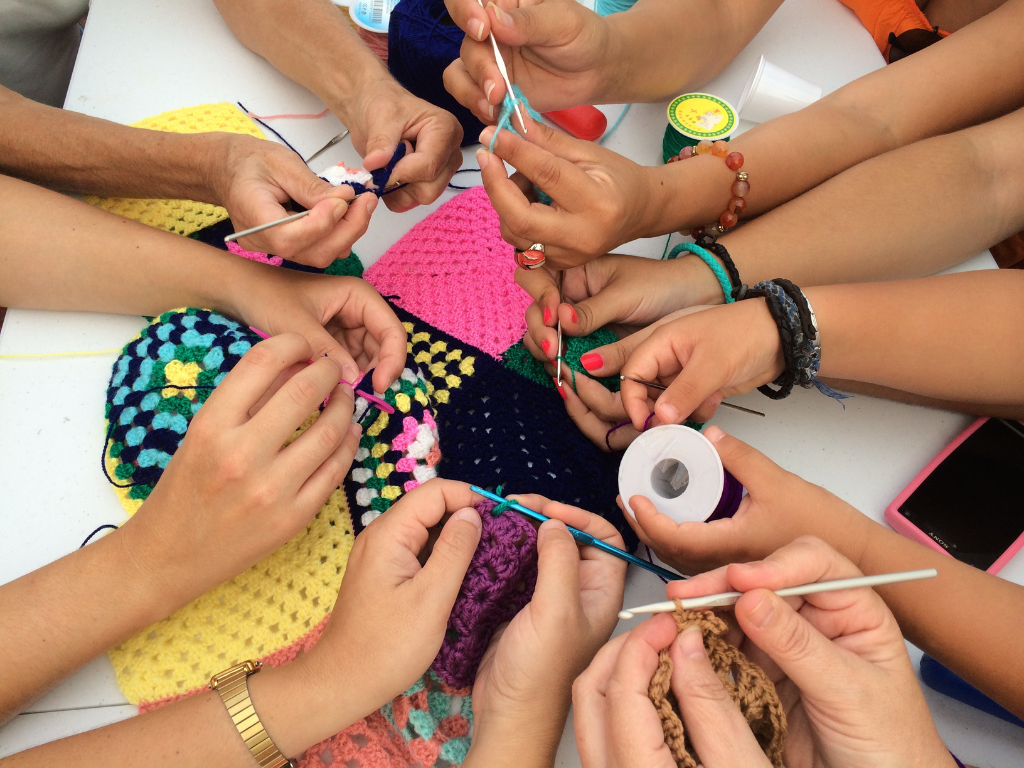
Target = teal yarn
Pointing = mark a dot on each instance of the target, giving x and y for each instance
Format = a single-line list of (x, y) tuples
[(518, 358), (673, 142), (508, 106), (713, 265)]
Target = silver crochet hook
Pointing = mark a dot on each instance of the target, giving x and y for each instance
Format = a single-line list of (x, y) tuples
[(336, 140), (558, 381), (504, 76), (656, 385)]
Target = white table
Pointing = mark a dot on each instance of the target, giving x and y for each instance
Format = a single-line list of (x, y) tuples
[(140, 58)]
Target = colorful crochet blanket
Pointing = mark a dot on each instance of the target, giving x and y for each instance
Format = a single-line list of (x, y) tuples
[(459, 410)]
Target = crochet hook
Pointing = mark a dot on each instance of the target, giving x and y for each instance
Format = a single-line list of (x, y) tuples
[(730, 598), (582, 537), (656, 385), (504, 76), (261, 227), (561, 277), (337, 139)]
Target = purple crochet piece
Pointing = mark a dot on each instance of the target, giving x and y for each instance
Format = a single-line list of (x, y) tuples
[(732, 494), (498, 584)]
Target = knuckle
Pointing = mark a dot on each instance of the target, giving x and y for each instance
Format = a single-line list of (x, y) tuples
[(233, 467), (706, 687), (302, 391), (330, 436), (261, 356), (793, 639), (547, 174)]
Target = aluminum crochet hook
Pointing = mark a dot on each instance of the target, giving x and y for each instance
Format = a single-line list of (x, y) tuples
[(504, 76), (582, 537), (336, 140), (656, 385), (561, 278), (730, 598), (253, 230)]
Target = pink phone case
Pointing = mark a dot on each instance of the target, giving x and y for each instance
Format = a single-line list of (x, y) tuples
[(911, 531)]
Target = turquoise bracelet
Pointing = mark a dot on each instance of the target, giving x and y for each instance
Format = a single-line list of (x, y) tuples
[(712, 262)]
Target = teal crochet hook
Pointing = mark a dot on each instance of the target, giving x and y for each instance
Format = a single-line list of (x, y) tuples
[(583, 538)]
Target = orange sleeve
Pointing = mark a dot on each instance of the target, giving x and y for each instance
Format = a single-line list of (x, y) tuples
[(880, 17)]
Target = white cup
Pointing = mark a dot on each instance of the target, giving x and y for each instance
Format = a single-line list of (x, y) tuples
[(772, 92)]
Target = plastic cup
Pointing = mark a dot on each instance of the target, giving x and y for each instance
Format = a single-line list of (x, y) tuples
[(772, 92)]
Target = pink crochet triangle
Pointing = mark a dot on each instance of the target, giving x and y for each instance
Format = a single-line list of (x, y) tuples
[(454, 271)]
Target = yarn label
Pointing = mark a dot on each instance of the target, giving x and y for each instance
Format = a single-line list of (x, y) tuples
[(373, 15), (702, 116)]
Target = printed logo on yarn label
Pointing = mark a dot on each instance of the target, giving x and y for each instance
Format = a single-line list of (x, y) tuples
[(373, 15), (702, 116)]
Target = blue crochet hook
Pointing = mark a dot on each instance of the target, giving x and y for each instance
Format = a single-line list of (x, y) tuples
[(581, 537)]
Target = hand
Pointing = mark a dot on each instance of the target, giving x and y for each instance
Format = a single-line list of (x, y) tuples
[(381, 115), (778, 508), (702, 358), (257, 178), (600, 199), (343, 318), (233, 492), (837, 659), (522, 688), (557, 50)]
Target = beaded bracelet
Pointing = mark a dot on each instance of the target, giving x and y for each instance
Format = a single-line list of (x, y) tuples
[(801, 352), (734, 161), (723, 279)]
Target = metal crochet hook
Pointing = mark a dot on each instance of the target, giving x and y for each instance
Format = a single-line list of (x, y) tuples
[(583, 538), (662, 387), (558, 380), (253, 230), (337, 139), (730, 598), (504, 76)]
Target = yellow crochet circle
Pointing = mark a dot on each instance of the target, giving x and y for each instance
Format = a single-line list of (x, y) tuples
[(181, 216), (268, 607)]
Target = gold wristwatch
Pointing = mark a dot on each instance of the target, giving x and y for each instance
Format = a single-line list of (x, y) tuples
[(232, 685)]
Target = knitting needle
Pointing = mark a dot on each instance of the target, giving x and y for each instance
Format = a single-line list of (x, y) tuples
[(337, 139), (504, 76), (583, 538), (730, 598), (561, 277), (261, 227), (656, 385)]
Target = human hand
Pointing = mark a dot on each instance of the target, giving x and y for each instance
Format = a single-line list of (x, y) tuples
[(600, 199), (557, 49), (380, 115), (255, 179), (702, 358), (523, 683), (343, 318), (837, 659), (233, 492)]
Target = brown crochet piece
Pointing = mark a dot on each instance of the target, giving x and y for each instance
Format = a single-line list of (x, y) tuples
[(747, 683)]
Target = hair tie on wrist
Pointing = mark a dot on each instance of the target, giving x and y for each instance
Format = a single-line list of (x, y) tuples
[(713, 265)]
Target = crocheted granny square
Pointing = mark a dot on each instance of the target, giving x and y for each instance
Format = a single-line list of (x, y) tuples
[(181, 216)]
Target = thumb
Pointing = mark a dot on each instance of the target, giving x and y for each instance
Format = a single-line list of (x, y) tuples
[(536, 25), (558, 566), (382, 139), (441, 577), (806, 656), (687, 391), (604, 307), (307, 189), (748, 465)]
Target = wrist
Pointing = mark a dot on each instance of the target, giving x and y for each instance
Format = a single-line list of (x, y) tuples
[(610, 87), (698, 285), (522, 740), (352, 93)]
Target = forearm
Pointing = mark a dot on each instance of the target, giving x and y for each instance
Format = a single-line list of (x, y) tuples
[(93, 261), (694, 40), (310, 42), (65, 150), (951, 337)]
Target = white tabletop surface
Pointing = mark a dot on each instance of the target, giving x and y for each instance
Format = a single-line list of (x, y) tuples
[(143, 57)]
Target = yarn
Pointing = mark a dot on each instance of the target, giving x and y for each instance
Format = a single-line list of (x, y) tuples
[(422, 41), (377, 42), (508, 106), (360, 179), (519, 359), (608, 7), (101, 528), (745, 682)]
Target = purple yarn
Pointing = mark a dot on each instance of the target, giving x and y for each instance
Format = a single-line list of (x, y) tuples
[(498, 584), (732, 493)]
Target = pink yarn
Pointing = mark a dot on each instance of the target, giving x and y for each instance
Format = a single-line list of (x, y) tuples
[(238, 250), (454, 271)]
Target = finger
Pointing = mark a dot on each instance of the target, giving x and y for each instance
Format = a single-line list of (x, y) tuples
[(337, 243), (590, 708), (543, 289), (290, 239), (382, 137), (707, 583), (707, 409), (426, 192), (748, 465), (719, 732), (365, 308), (243, 387), (482, 67), (635, 403), (302, 457), (558, 567), (686, 541), (544, 24), (528, 221), (694, 384), (470, 17), (323, 345), (435, 142), (440, 579), (330, 474), (294, 402), (597, 430), (607, 405), (422, 508), (282, 377), (460, 84)]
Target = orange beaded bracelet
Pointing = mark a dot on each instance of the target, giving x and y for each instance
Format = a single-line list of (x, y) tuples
[(734, 160)]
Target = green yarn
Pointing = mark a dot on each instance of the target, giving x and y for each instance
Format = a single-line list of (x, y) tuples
[(673, 142), (517, 358), (350, 266)]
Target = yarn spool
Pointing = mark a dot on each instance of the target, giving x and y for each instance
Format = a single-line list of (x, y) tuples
[(694, 117), (422, 41)]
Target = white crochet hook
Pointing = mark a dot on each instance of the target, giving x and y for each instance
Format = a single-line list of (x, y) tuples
[(504, 76), (730, 598)]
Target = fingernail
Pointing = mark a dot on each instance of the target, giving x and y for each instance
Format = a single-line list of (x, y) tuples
[(340, 208), (714, 434), (762, 614), (551, 525), (561, 391), (668, 413), (371, 203), (347, 390), (490, 111), (488, 87), (575, 317), (691, 642), (348, 373), (482, 158), (484, 107), (476, 29), (485, 135), (547, 315), (503, 18), (546, 346), (592, 361), (356, 430), (469, 515)]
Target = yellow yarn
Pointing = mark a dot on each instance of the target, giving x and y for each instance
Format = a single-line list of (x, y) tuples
[(437, 367), (182, 216), (268, 607)]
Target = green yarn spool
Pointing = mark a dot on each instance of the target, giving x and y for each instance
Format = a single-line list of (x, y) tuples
[(518, 358), (673, 142)]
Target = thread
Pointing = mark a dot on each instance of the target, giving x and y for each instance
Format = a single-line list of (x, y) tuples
[(87, 353)]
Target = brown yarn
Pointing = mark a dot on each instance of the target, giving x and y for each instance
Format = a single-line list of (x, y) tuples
[(747, 683)]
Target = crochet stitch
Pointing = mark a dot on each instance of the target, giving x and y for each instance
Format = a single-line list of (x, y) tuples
[(745, 682), (519, 359)]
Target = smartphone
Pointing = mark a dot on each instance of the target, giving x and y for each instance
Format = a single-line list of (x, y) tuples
[(969, 501)]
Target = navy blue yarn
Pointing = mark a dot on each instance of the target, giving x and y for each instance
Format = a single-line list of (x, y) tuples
[(422, 41), (101, 528), (381, 175), (463, 170), (282, 138)]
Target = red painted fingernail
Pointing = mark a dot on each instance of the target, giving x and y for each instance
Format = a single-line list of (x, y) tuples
[(575, 319), (547, 315), (546, 345), (592, 361), (560, 390)]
